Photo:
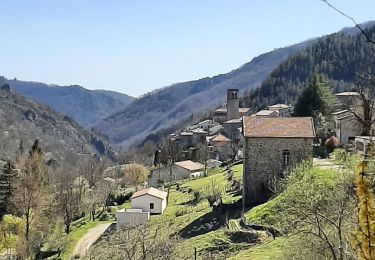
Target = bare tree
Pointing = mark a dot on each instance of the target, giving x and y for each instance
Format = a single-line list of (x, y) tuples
[(67, 198), (30, 187), (363, 32), (140, 242)]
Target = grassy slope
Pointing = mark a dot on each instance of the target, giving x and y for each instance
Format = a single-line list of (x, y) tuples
[(192, 213), (270, 213), (267, 214), (74, 236)]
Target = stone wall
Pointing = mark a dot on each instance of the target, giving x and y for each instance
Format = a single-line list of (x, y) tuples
[(131, 218), (263, 161)]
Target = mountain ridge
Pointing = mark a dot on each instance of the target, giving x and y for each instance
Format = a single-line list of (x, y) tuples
[(85, 106), (164, 107), (23, 121)]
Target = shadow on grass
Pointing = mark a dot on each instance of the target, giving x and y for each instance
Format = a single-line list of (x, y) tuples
[(213, 220)]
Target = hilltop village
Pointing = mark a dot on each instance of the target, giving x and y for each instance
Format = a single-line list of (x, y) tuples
[(282, 170), (214, 175)]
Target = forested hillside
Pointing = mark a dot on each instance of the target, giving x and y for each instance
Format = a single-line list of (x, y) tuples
[(87, 107), (170, 105), (23, 121), (339, 57)]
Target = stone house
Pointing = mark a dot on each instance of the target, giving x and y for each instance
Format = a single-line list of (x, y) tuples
[(272, 145), (232, 109), (282, 109), (346, 126), (180, 171), (347, 99), (219, 147)]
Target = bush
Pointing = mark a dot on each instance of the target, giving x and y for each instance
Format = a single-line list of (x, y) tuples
[(341, 155), (179, 213)]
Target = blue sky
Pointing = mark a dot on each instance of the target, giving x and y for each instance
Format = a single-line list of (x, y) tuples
[(137, 46)]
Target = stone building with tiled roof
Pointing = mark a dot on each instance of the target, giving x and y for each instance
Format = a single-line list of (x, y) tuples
[(272, 145)]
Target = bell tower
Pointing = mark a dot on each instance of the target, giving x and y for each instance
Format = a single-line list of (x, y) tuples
[(233, 104)]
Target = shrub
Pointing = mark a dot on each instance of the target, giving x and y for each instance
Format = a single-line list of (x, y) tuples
[(179, 213)]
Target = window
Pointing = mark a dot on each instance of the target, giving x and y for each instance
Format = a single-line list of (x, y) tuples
[(151, 205), (286, 157)]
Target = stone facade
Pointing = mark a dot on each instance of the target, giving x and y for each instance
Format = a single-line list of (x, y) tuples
[(265, 158), (233, 103)]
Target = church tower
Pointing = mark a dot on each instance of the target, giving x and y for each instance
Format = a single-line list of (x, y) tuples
[(233, 104)]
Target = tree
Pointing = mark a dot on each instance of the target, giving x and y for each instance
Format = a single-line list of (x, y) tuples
[(67, 198), (316, 97), (7, 175), (361, 106), (10, 231), (139, 242), (134, 174), (319, 208), (30, 187)]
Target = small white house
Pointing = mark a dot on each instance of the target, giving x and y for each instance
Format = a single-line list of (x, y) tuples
[(150, 200), (188, 169)]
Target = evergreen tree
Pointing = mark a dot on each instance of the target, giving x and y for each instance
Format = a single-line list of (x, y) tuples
[(316, 97)]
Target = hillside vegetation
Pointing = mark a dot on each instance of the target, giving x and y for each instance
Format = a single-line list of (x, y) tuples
[(217, 233), (167, 106), (338, 57), (22, 121), (87, 107)]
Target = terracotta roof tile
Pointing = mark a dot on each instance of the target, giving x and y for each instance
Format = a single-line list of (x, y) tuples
[(220, 138), (286, 127), (190, 165), (152, 192)]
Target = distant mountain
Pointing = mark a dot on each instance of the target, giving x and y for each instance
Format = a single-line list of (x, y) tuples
[(23, 121), (87, 107), (167, 106)]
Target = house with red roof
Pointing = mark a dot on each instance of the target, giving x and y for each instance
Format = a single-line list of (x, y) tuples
[(272, 145)]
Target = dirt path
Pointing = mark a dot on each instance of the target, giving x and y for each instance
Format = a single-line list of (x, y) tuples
[(326, 164), (92, 235)]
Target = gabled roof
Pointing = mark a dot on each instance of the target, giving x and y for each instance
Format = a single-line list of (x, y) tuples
[(220, 138), (279, 127), (267, 113), (190, 165), (152, 192)]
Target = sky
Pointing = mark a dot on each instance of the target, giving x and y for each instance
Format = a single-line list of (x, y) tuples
[(134, 47)]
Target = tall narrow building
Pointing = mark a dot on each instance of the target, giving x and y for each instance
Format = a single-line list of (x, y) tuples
[(233, 104)]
